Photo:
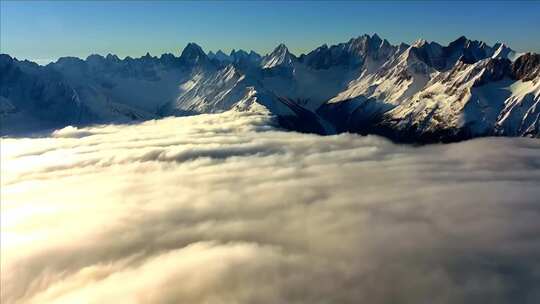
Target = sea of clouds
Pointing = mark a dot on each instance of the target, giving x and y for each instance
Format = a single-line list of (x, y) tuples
[(225, 208)]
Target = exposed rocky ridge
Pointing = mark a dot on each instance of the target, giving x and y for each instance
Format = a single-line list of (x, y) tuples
[(526, 67), (352, 53), (422, 92), (445, 57)]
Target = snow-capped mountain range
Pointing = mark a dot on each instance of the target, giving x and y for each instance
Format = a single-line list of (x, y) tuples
[(424, 92)]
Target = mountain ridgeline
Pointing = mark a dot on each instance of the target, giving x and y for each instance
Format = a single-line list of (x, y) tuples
[(419, 93)]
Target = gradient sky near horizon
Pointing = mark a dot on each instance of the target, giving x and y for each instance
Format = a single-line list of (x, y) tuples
[(45, 30)]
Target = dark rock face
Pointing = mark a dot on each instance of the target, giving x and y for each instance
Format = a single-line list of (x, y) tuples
[(50, 95), (303, 121), (412, 135), (325, 58), (496, 69), (467, 58), (169, 60), (352, 53), (193, 54), (526, 67), (7, 68), (473, 50), (279, 63), (358, 115), (41, 93), (368, 117), (431, 54), (444, 57)]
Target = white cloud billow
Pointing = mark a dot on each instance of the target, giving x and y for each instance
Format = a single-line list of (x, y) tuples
[(226, 209)]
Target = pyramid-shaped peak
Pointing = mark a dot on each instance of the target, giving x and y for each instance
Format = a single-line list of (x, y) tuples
[(193, 54), (112, 57), (385, 43), (192, 50), (239, 52), (375, 37), (461, 41), (365, 42), (281, 48), (280, 56), (501, 50), (254, 56), (222, 56), (501, 46), (363, 37), (403, 45), (420, 42), (322, 47)]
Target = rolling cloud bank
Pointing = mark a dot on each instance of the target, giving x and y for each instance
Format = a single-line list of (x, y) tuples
[(225, 208)]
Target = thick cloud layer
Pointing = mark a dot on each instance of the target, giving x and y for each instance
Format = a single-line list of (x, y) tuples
[(226, 209)]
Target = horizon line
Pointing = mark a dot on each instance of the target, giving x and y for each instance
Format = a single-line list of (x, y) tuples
[(45, 61)]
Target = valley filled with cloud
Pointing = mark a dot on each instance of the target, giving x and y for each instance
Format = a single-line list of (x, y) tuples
[(227, 208)]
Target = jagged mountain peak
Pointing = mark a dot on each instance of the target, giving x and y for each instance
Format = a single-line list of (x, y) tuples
[(385, 43), (503, 51), (403, 83), (365, 41), (498, 45), (222, 56), (240, 52), (365, 37), (322, 47), (5, 62), (527, 67), (239, 55), (148, 56), (443, 58), (369, 46), (419, 43), (5, 58), (461, 40), (463, 43), (280, 56), (221, 53), (254, 56), (193, 54), (112, 57), (235, 56), (403, 46), (167, 56), (352, 53), (280, 51), (281, 48), (192, 46)]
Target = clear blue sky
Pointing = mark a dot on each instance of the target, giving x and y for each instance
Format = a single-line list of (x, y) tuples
[(45, 30)]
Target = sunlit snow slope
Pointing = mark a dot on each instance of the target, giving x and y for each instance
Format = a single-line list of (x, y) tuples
[(423, 92)]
